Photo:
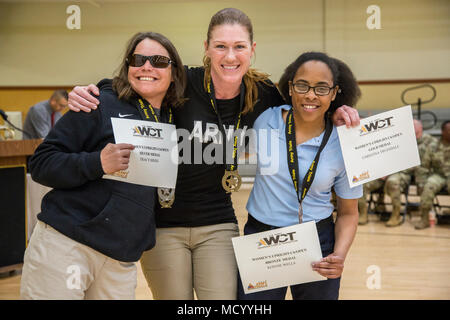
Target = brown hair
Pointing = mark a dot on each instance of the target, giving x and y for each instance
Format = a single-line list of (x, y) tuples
[(252, 76), (60, 93), (175, 92)]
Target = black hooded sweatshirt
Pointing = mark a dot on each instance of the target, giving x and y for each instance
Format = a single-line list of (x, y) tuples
[(112, 217)]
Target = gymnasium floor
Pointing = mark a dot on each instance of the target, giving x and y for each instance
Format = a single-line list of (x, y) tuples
[(411, 264)]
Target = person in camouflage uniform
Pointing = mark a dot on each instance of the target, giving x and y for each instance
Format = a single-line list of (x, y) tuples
[(362, 202), (446, 135), (437, 177), (445, 128), (398, 182)]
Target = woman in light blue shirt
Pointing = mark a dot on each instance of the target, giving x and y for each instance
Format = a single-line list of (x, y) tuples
[(314, 85)]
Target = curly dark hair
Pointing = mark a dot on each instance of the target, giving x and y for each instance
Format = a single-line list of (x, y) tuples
[(349, 92)]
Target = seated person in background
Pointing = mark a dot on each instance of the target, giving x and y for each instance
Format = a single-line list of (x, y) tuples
[(398, 182), (362, 202), (445, 129), (437, 177), (446, 132), (42, 116)]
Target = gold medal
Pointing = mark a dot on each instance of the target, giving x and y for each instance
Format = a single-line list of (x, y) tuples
[(231, 181), (166, 197)]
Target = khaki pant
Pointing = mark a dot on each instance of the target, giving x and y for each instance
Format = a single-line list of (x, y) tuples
[(187, 259), (57, 267)]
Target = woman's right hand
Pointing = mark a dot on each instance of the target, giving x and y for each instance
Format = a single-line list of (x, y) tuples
[(115, 157), (80, 98)]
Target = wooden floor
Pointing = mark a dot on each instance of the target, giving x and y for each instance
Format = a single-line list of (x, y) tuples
[(411, 264)]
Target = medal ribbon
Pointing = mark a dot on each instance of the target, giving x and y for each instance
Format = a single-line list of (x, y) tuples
[(292, 158), (212, 98), (144, 111)]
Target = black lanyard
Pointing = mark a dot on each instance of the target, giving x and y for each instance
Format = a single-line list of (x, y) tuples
[(212, 98), (144, 109), (292, 158)]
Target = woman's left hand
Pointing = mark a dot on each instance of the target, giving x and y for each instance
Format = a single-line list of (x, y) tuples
[(331, 266), (345, 115)]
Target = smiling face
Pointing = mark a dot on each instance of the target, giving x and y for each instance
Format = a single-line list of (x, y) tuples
[(149, 82), (309, 106), (230, 50)]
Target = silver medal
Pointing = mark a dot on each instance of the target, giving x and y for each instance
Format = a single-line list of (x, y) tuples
[(166, 197), (231, 181)]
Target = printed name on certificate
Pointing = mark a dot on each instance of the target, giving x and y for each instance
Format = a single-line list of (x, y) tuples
[(154, 160), (383, 144)]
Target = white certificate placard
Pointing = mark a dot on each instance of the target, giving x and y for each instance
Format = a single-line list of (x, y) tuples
[(383, 144), (278, 258), (154, 160)]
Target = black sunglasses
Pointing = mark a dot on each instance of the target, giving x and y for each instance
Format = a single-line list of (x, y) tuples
[(157, 61)]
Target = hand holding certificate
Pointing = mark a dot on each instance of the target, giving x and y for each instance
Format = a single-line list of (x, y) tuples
[(382, 145), (153, 162), (278, 258)]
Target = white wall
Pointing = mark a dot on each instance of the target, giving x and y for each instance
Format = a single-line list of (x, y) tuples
[(36, 48)]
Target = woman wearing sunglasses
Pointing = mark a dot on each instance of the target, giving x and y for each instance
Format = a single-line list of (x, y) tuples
[(193, 248), (314, 86), (92, 230)]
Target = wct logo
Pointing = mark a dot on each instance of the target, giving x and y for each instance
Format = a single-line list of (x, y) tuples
[(276, 239), (147, 131), (375, 126)]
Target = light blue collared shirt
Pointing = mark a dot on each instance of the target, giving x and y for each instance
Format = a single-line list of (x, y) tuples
[(273, 199)]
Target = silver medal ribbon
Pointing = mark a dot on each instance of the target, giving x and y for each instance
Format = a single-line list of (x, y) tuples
[(166, 196)]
